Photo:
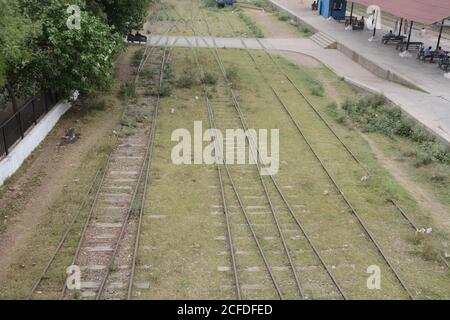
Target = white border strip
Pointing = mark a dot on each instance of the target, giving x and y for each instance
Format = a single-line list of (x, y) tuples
[(12, 162)]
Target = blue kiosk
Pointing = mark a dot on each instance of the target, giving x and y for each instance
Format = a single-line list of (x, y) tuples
[(333, 8)]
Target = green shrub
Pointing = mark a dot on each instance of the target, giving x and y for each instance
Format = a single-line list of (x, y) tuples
[(164, 90), (137, 57), (333, 111), (283, 16), (209, 79), (256, 31), (232, 73), (317, 88), (128, 90), (186, 81), (372, 114)]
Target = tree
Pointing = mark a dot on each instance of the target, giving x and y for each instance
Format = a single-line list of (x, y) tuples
[(124, 15), (68, 59), (16, 49)]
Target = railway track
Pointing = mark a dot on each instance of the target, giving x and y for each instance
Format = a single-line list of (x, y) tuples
[(109, 238), (106, 251), (273, 224), (298, 126)]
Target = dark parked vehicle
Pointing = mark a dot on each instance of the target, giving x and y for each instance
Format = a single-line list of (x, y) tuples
[(136, 38), (223, 3)]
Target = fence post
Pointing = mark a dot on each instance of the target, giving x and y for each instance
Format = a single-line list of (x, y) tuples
[(45, 101), (34, 112), (4, 140), (19, 119)]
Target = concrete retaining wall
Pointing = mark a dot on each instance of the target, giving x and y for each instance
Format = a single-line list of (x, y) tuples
[(12, 162)]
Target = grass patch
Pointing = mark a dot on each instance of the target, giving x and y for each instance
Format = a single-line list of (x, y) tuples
[(257, 32), (137, 57), (373, 114), (128, 90)]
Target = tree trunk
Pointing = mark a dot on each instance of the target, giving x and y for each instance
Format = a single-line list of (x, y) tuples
[(11, 94)]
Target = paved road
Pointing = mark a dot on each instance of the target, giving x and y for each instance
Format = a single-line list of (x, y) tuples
[(429, 109)]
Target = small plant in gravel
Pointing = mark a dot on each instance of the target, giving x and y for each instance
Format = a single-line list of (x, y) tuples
[(128, 90), (333, 111), (317, 89), (282, 16), (209, 79), (257, 32), (137, 57)]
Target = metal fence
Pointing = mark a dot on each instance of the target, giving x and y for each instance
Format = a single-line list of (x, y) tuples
[(16, 127)]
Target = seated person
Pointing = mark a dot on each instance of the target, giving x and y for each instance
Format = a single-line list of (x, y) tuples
[(427, 53), (440, 52), (390, 34), (314, 6)]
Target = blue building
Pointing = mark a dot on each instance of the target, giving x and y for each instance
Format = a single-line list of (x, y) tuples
[(333, 8)]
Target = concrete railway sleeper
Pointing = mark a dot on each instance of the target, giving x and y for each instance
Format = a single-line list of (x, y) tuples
[(244, 210), (333, 180), (284, 199)]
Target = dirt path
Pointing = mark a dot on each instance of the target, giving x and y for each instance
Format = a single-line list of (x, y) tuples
[(48, 171), (422, 196)]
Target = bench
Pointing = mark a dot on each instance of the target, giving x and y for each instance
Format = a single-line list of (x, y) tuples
[(444, 62), (412, 45), (392, 39), (358, 25), (350, 20), (136, 38)]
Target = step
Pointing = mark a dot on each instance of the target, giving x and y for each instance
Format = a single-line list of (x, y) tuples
[(324, 40)]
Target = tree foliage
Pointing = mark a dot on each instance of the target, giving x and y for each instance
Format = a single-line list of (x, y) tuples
[(39, 51), (124, 15)]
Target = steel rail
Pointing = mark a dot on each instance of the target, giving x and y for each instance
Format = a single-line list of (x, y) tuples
[(89, 217), (65, 235), (249, 224), (361, 222), (226, 213), (146, 182), (130, 209), (244, 211), (88, 220), (415, 227), (344, 197), (245, 126), (222, 193), (314, 108)]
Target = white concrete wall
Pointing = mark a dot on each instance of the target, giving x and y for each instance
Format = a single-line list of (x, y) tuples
[(11, 163)]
